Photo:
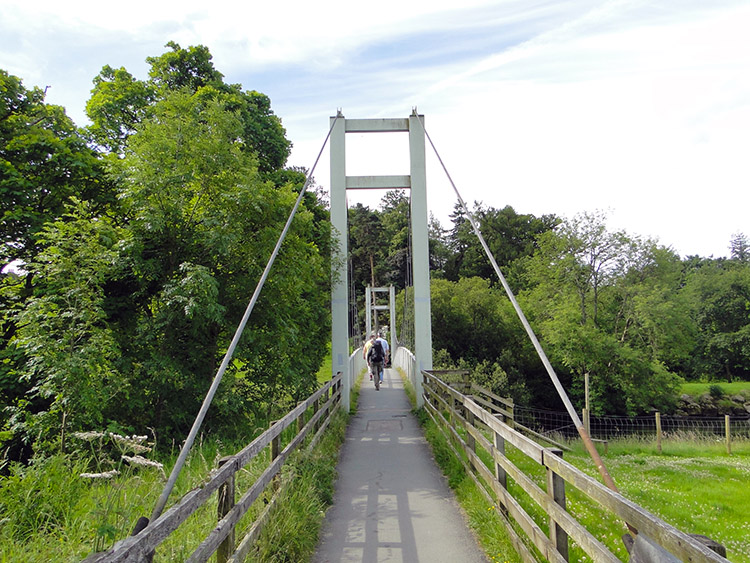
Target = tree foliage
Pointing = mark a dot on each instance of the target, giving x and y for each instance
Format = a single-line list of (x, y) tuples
[(131, 301)]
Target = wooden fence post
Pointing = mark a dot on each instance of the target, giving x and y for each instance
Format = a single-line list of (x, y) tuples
[(728, 434), (586, 421), (470, 441), (556, 490), (500, 473), (225, 504), (658, 432), (275, 449), (300, 420), (316, 408)]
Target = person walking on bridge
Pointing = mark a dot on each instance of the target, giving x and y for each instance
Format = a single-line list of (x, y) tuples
[(366, 348), (375, 358), (387, 350)]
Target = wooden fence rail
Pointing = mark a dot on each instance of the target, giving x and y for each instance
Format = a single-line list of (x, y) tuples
[(472, 427), (140, 547)]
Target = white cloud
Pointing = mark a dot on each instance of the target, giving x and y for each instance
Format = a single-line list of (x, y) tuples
[(552, 107)]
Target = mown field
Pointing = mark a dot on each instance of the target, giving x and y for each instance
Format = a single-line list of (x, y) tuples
[(729, 387)]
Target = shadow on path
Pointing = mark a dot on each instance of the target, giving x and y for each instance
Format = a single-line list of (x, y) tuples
[(392, 503)]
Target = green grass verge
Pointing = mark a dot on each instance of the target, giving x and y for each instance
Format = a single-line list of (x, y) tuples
[(293, 529)]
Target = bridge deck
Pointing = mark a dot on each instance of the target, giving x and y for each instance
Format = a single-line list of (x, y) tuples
[(392, 502)]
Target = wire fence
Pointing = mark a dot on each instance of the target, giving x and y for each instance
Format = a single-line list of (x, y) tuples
[(552, 423)]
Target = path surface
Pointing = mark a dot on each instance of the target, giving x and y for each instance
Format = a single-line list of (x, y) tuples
[(392, 502)]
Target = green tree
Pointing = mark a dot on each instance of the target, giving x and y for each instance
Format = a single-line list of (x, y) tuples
[(63, 330), (119, 102), (395, 219), (135, 303), (203, 224), (43, 162), (366, 246), (596, 301), (740, 248), (474, 327), (510, 237), (719, 293)]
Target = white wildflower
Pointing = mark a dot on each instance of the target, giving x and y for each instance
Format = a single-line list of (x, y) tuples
[(134, 443), (88, 435), (105, 475), (139, 460)]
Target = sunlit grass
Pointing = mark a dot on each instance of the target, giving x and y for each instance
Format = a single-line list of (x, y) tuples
[(693, 485), (729, 388)]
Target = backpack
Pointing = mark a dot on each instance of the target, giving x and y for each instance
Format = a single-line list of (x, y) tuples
[(376, 352)]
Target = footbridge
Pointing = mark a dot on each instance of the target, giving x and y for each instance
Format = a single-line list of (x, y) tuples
[(391, 501)]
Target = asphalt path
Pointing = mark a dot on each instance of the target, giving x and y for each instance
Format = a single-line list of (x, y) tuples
[(392, 503)]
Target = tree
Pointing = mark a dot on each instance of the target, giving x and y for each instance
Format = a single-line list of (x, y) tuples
[(136, 297), (119, 102), (595, 299), (366, 246), (740, 248), (719, 294), (43, 162), (395, 219), (203, 223), (509, 236), (63, 330)]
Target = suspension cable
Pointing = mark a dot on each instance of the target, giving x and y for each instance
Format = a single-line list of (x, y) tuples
[(161, 503), (540, 351)]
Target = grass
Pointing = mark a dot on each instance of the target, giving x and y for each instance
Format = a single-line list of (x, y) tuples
[(729, 388), (325, 371), (292, 533), (49, 513), (693, 485)]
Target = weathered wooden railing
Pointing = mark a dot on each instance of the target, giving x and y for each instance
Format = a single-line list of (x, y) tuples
[(472, 427), (322, 404)]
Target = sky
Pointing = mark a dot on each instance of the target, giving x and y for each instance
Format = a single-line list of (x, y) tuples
[(640, 109)]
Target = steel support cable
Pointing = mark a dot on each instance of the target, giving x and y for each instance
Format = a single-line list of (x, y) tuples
[(161, 503), (540, 351)]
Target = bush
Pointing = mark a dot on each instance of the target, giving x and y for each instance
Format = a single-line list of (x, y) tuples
[(716, 391)]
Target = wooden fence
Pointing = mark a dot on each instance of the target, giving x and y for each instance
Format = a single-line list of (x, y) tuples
[(535, 515), (138, 548)]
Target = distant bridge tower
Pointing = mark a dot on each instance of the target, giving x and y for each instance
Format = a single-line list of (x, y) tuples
[(416, 181)]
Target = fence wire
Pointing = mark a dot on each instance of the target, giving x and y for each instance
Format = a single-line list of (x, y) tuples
[(552, 423)]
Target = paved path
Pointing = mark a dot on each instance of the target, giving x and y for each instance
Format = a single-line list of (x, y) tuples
[(392, 502)]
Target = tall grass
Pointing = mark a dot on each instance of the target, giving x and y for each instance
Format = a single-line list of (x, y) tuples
[(48, 512)]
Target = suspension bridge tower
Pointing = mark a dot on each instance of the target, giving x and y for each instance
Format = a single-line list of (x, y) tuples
[(416, 182)]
